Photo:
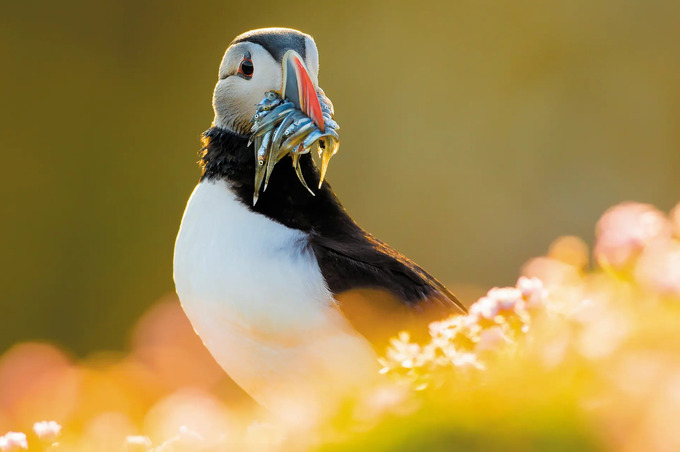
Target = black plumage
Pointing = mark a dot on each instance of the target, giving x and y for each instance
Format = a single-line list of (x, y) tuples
[(348, 256)]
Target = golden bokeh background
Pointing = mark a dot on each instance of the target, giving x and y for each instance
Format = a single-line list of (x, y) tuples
[(473, 134)]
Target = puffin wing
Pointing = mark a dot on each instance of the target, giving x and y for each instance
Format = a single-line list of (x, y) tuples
[(381, 291), (361, 261)]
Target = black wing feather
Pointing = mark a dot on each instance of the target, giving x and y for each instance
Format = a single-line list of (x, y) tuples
[(363, 261)]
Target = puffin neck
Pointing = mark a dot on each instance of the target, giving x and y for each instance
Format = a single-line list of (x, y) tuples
[(226, 156)]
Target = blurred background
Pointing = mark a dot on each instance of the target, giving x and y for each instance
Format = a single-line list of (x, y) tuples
[(473, 134)]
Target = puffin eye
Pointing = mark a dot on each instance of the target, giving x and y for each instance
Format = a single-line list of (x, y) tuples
[(246, 67)]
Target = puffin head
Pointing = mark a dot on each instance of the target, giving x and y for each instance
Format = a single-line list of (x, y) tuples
[(254, 63)]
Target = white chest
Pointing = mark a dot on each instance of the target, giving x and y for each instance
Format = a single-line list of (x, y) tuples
[(241, 265), (256, 297)]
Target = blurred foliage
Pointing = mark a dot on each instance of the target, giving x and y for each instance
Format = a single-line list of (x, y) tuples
[(574, 357), (472, 133)]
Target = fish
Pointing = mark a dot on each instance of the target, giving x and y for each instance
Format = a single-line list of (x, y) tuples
[(279, 128)]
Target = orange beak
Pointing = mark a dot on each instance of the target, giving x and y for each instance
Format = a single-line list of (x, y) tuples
[(298, 87)]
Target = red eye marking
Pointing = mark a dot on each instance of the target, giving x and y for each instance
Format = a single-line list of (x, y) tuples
[(246, 67)]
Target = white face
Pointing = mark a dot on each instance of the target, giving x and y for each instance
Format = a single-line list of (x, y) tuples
[(236, 95)]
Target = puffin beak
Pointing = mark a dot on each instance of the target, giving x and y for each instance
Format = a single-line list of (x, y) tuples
[(298, 87)]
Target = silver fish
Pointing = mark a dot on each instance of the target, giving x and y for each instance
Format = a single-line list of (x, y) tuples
[(279, 129)]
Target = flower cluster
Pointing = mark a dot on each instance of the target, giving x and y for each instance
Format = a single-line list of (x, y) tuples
[(13, 441), (639, 240), (46, 431), (466, 342), (636, 244)]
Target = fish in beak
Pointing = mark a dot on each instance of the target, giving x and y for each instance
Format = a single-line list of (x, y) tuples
[(293, 122)]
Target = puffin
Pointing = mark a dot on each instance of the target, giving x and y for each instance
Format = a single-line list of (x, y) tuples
[(289, 294)]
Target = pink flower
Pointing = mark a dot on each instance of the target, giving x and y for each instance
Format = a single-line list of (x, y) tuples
[(485, 307), (507, 298), (624, 230), (659, 267), (533, 291), (13, 441), (47, 430), (498, 301)]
